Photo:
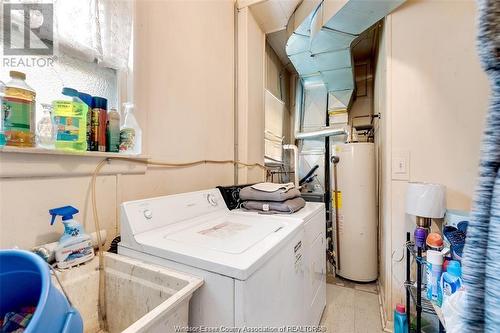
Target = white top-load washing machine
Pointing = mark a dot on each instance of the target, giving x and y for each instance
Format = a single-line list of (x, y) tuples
[(259, 270)]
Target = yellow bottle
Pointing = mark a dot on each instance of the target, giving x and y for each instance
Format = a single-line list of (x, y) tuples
[(70, 117), (18, 106)]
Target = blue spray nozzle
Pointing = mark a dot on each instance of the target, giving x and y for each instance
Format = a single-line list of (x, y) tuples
[(66, 212)]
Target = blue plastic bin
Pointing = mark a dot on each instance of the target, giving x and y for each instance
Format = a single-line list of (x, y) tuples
[(25, 281)]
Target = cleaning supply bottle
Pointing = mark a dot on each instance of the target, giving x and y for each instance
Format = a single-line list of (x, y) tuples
[(434, 269), (2, 133), (70, 117), (98, 123), (87, 99), (75, 246), (400, 319), (130, 132), (113, 131), (46, 128), (18, 107), (450, 282)]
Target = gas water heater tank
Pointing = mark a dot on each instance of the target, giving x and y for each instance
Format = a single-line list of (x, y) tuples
[(357, 211)]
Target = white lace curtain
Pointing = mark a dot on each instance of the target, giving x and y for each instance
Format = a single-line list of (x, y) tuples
[(94, 30)]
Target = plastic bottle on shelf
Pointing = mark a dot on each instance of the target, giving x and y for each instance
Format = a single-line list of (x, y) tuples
[(130, 132), (18, 108), (434, 270), (46, 128), (400, 319), (450, 282), (2, 134), (70, 117), (98, 123), (87, 99), (113, 131)]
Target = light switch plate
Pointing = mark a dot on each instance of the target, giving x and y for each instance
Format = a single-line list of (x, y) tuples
[(400, 168)]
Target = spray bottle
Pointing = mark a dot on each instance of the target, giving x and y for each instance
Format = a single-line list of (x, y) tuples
[(75, 246)]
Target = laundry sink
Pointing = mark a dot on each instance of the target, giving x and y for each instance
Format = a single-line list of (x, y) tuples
[(140, 297)]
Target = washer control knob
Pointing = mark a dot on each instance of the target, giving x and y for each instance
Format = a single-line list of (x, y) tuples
[(212, 199), (148, 214)]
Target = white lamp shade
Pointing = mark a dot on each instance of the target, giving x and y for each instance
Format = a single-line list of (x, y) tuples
[(426, 200)]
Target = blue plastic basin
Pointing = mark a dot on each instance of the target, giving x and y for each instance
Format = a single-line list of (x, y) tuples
[(25, 281)]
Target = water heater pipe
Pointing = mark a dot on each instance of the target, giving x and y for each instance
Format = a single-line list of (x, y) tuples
[(295, 163), (335, 160), (322, 133)]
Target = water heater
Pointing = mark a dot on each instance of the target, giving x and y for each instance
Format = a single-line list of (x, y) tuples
[(357, 211)]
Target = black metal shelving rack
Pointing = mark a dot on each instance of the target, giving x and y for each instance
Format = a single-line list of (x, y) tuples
[(414, 293)]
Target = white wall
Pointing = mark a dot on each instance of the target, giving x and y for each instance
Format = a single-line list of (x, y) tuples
[(184, 84), (432, 95)]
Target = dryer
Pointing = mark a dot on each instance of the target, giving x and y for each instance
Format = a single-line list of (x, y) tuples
[(312, 219)]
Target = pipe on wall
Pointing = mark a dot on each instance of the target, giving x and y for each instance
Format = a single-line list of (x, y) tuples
[(322, 133)]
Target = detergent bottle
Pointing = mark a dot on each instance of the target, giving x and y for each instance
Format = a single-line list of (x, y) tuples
[(70, 117), (400, 319), (75, 246), (450, 282)]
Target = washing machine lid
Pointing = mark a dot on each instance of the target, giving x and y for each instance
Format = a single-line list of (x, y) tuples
[(227, 244), (226, 233)]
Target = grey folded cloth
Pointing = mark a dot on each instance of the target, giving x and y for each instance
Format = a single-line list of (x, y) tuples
[(280, 194), (272, 207)]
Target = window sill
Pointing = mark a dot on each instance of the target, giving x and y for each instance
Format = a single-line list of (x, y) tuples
[(38, 162)]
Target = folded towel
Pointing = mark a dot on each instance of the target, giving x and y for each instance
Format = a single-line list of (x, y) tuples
[(272, 187), (269, 192), (273, 207)]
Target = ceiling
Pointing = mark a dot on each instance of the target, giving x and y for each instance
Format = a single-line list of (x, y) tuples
[(272, 15)]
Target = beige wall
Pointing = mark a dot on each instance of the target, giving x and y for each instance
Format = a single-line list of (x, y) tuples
[(251, 83), (433, 97), (363, 105), (184, 83), (275, 73)]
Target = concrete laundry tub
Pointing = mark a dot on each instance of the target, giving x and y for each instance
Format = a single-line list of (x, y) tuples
[(140, 297)]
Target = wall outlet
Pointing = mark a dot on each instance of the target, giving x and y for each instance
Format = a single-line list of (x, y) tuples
[(400, 168)]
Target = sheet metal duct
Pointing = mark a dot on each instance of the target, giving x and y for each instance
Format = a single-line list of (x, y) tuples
[(321, 47)]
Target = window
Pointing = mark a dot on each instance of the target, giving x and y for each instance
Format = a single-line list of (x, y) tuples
[(92, 41)]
